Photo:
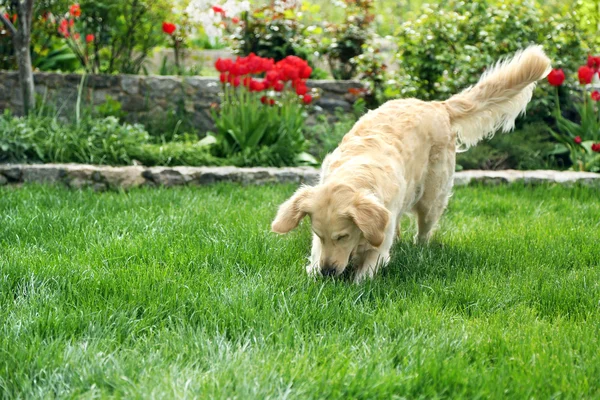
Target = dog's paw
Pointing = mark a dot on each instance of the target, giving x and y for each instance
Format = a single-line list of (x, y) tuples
[(363, 274), (312, 270)]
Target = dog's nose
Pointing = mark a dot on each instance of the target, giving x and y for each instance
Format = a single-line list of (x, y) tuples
[(328, 271)]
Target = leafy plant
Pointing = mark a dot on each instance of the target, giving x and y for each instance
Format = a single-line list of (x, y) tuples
[(581, 140), (442, 53), (262, 116), (347, 40)]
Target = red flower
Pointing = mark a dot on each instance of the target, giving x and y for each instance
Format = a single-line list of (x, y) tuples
[(577, 139), (13, 19), (256, 86), (75, 10), (71, 23), (264, 99), (596, 147), (63, 28), (306, 72), (278, 86), (168, 28), (585, 74), (223, 65), (307, 99), (223, 77), (301, 89), (76, 36), (556, 77), (271, 102), (236, 81), (218, 10), (593, 62), (89, 38), (235, 20), (595, 95)]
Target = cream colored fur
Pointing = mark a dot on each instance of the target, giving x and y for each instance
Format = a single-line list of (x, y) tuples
[(401, 158)]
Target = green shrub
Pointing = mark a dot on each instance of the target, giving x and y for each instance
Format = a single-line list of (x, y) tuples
[(448, 47), (46, 139), (175, 153), (530, 147)]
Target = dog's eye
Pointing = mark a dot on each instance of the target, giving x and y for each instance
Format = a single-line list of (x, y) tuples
[(342, 237)]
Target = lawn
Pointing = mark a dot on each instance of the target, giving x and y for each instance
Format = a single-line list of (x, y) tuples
[(185, 293)]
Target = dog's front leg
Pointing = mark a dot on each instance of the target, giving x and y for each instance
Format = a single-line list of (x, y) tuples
[(313, 268), (372, 259)]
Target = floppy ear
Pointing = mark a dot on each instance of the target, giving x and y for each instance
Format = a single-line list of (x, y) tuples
[(371, 218), (292, 211)]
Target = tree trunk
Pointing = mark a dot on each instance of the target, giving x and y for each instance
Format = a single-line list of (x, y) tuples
[(25, 74), (22, 43)]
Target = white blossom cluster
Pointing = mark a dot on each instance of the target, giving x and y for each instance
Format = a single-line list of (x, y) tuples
[(201, 12)]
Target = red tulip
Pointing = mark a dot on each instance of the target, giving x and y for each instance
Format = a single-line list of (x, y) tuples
[(307, 99), (595, 95), (596, 147), (306, 72), (223, 65), (223, 77), (168, 28), (593, 62), (556, 77), (301, 89), (75, 10), (264, 99), (218, 10), (577, 139), (89, 38), (585, 74), (236, 81), (271, 102), (278, 86), (63, 28)]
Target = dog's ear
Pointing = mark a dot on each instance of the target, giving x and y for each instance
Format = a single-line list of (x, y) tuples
[(292, 211), (371, 217)]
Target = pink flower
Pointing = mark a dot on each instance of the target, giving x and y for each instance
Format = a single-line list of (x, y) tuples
[(577, 139)]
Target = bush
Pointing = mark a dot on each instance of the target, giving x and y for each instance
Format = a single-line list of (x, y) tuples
[(39, 138), (442, 52), (530, 147)]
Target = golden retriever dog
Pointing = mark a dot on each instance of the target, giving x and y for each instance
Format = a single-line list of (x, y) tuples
[(400, 158)]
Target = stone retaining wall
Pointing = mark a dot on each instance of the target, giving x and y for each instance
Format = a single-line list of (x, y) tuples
[(104, 177), (144, 97)]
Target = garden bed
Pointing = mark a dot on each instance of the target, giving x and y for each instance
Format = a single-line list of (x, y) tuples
[(105, 177)]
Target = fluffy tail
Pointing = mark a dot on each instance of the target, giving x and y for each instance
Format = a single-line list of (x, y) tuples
[(498, 98)]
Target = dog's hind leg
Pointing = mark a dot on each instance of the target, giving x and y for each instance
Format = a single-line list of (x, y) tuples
[(434, 200)]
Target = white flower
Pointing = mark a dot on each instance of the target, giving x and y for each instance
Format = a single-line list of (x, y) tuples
[(201, 12)]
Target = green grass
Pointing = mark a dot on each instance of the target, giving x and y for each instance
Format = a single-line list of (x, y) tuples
[(185, 293)]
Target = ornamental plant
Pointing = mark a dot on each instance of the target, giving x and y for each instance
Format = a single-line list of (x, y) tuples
[(581, 140), (263, 110)]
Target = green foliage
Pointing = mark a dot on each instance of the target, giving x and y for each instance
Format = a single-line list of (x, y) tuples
[(343, 42), (529, 147), (46, 139), (273, 33), (254, 133), (326, 134), (448, 47), (580, 139), (192, 153)]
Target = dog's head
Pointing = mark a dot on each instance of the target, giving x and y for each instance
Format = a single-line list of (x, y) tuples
[(341, 217)]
